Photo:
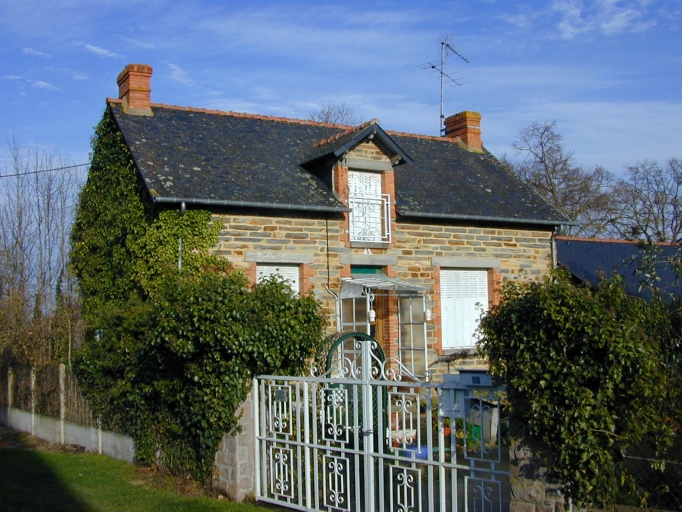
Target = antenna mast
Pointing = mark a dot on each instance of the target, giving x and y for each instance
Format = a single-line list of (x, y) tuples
[(445, 47)]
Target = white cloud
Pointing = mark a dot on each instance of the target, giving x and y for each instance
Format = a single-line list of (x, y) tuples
[(138, 43), (179, 75), (75, 75), (12, 77), (34, 53), (608, 17), (40, 84), (366, 40), (101, 52), (518, 20)]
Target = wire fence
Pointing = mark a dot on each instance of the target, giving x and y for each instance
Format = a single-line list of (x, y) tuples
[(42, 391), (46, 391), (653, 482), (77, 407)]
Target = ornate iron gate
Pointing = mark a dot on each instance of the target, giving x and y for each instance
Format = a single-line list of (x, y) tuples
[(366, 436)]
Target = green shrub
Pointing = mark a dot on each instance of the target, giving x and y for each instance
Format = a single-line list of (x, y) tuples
[(584, 373)]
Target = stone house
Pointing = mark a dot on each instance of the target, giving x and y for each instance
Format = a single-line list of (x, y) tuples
[(403, 236)]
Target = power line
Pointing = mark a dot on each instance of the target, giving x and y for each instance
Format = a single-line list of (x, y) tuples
[(43, 170)]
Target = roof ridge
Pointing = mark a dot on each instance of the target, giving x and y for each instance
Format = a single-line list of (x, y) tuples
[(348, 131), (239, 114), (347, 128), (610, 240), (456, 140)]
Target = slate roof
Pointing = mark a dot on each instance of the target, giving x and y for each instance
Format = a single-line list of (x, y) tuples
[(192, 156), (223, 158), (590, 260), (445, 180)]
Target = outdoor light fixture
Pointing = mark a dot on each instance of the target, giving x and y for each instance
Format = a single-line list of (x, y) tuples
[(371, 314)]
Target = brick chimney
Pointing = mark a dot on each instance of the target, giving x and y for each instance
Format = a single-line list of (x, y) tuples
[(467, 127), (134, 88)]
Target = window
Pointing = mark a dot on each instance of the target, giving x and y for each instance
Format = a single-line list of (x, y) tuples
[(288, 272), (464, 295), (354, 314), (411, 315), (369, 219)]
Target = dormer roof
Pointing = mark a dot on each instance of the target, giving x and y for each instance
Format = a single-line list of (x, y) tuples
[(342, 142)]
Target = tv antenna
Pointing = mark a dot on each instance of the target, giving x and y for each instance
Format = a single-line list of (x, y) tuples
[(439, 67)]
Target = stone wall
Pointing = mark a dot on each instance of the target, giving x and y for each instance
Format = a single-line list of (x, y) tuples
[(417, 252), (532, 488), (234, 471)]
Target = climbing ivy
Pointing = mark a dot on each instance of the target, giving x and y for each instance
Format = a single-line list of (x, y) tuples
[(173, 240), (120, 244), (169, 354), (111, 213), (584, 374)]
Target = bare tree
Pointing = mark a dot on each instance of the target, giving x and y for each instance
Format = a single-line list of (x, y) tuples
[(651, 203), (37, 204), (336, 114), (584, 196)]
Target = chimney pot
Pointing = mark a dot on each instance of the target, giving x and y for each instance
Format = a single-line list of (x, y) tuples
[(134, 88), (467, 127)]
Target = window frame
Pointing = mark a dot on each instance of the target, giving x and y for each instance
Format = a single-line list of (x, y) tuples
[(415, 324)]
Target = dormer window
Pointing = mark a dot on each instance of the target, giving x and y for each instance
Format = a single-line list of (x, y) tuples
[(370, 219)]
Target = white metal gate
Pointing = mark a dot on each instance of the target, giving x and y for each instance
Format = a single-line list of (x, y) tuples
[(367, 437)]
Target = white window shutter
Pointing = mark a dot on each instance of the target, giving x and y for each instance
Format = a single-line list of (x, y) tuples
[(464, 294), (290, 274)]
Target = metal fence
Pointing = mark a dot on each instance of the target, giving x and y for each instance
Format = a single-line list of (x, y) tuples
[(366, 437)]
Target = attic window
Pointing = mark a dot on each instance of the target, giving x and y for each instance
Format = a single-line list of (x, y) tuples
[(370, 215)]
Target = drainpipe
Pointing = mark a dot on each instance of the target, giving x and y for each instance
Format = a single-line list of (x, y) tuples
[(337, 309), (553, 249), (182, 212)]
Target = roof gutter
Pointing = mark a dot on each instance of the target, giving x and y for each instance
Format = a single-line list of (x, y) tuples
[(250, 204), (455, 216)]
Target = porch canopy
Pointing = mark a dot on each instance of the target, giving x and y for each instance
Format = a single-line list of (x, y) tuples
[(361, 285)]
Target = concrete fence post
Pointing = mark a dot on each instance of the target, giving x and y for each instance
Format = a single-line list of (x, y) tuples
[(62, 402), (99, 436), (32, 377), (10, 384)]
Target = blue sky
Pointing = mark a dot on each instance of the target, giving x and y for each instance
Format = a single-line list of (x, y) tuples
[(609, 72)]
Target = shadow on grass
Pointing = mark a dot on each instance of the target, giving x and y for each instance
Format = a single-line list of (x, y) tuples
[(28, 482)]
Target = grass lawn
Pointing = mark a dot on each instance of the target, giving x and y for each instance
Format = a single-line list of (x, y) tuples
[(40, 480)]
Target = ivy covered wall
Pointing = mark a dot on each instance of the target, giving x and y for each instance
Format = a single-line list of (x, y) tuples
[(169, 354)]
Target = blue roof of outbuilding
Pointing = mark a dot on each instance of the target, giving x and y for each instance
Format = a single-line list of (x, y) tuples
[(590, 260)]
